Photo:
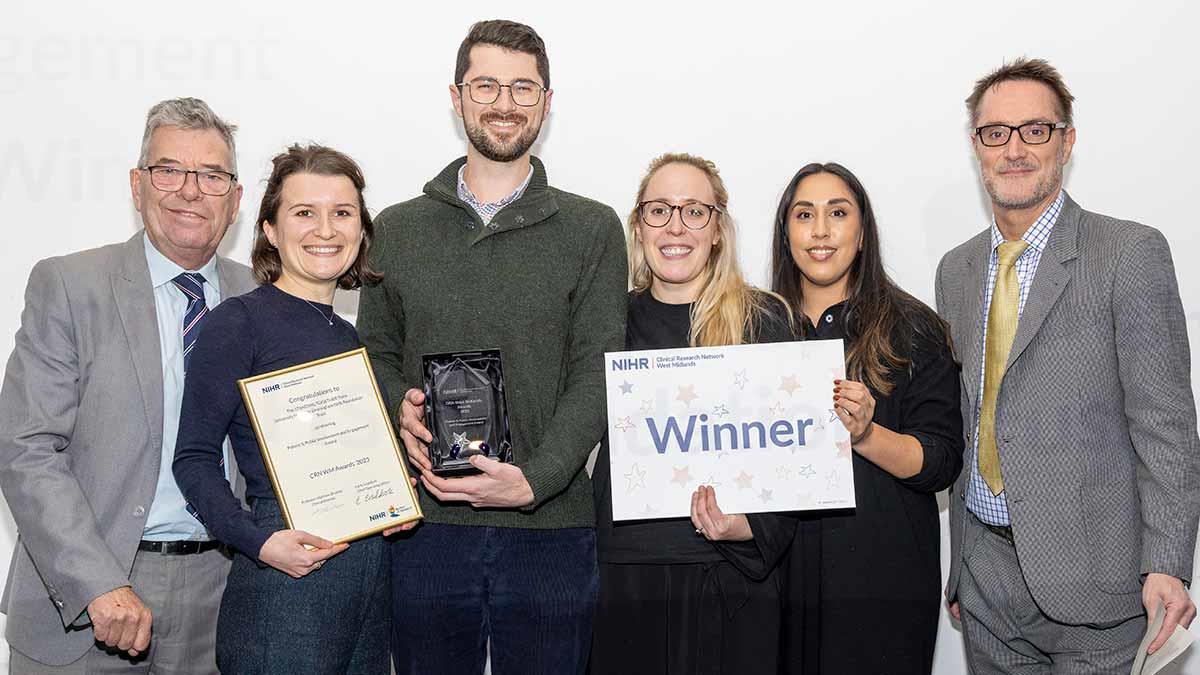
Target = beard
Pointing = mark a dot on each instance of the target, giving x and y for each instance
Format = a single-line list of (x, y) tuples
[(502, 151), (1046, 185)]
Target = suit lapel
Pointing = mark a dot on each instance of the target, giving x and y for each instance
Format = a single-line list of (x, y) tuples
[(973, 295), (1050, 280), (134, 297)]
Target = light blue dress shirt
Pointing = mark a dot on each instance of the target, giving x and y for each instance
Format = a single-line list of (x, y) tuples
[(168, 519), (993, 509)]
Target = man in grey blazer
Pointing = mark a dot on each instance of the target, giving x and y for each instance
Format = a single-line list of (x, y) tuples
[(1077, 509), (111, 573)]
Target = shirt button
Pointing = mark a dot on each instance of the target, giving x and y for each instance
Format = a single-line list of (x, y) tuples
[(828, 318), (139, 511)]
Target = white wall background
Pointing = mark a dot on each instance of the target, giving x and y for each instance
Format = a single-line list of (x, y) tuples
[(759, 89)]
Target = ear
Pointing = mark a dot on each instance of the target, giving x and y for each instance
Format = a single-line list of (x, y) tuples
[(1068, 144), (135, 188), (456, 99), (269, 230), (548, 96)]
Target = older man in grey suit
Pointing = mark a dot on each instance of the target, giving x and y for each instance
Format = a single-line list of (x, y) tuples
[(111, 573), (1077, 512)]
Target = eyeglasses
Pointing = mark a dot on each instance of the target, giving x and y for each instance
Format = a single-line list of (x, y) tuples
[(1033, 133), (486, 91), (172, 178), (695, 215)]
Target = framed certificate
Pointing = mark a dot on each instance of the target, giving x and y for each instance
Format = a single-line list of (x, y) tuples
[(329, 447)]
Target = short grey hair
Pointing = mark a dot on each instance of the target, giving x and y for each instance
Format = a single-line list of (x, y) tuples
[(186, 113)]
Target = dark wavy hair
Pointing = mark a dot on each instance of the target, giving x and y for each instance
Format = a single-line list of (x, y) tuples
[(881, 319), (321, 161)]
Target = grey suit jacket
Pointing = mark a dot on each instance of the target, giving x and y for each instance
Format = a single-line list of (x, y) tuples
[(1095, 420), (81, 437)]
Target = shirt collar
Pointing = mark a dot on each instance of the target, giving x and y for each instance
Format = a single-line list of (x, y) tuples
[(1038, 234), (465, 194), (163, 269)]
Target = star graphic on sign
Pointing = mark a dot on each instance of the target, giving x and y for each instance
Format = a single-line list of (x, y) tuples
[(807, 471), (711, 482), (789, 384), (765, 495), (626, 387), (744, 481), (784, 473), (720, 411), (740, 379), (687, 394), (636, 478), (683, 475), (834, 480), (647, 406), (832, 415), (843, 448), (778, 410), (624, 424)]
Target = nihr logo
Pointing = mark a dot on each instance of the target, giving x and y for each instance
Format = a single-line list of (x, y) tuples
[(642, 363), (376, 516), (274, 387)]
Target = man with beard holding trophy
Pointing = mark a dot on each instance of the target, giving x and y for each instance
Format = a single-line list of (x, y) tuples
[(501, 295)]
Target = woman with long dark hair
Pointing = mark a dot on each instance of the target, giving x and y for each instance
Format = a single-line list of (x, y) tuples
[(863, 585)]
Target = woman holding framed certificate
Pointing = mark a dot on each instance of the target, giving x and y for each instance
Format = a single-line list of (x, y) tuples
[(294, 602), (694, 595), (863, 588)]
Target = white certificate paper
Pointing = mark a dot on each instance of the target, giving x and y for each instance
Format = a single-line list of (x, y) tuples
[(754, 421), (328, 445)]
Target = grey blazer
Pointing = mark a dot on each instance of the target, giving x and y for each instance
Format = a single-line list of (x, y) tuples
[(1095, 419), (81, 437)]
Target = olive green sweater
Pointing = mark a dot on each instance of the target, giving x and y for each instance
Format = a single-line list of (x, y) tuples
[(546, 286)]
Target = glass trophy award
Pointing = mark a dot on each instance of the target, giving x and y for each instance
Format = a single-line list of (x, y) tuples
[(465, 410)]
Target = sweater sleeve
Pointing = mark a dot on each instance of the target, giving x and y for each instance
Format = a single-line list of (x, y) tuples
[(929, 411), (381, 322), (597, 325), (223, 354)]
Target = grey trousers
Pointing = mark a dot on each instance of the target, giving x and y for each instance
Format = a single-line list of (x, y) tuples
[(1005, 631), (184, 593)]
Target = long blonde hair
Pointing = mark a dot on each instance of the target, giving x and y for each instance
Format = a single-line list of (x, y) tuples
[(724, 313)]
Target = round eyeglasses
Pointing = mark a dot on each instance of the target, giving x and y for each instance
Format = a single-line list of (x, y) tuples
[(486, 91), (1032, 133), (172, 178), (694, 215)]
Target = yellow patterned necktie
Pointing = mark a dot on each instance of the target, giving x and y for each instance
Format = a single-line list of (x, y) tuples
[(1001, 327)]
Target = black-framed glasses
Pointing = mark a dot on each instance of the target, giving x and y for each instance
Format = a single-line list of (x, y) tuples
[(486, 91), (171, 179), (694, 215), (1032, 133)]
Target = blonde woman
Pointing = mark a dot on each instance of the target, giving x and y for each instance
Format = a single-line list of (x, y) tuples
[(694, 595)]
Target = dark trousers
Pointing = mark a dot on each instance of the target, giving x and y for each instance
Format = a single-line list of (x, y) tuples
[(531, 592), (333, 620)]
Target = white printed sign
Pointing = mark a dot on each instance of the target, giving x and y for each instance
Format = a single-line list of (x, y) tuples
[(756, 422)]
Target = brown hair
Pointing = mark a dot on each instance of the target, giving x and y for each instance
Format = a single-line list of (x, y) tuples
[(1033, 70), (881, 319), (725, 311), (510, 35), (321, 161)]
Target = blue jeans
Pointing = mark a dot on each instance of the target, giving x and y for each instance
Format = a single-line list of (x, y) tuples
[(532, 592), (333, 620)]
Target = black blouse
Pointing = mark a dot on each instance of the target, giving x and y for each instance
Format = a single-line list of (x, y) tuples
[(871, 574), (657, 325)]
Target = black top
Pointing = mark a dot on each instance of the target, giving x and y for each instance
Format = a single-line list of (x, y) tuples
[(259, 332), (871, 575), (658, 325)]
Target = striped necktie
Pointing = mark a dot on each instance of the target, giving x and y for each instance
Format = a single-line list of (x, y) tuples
[(191, 284)]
